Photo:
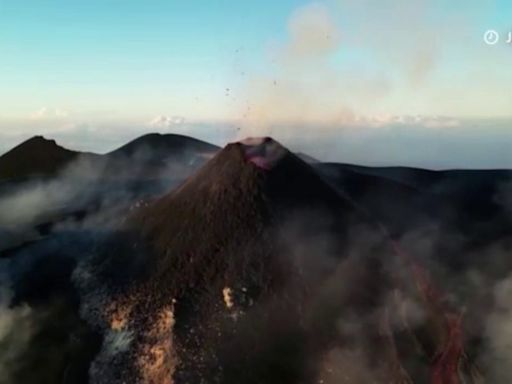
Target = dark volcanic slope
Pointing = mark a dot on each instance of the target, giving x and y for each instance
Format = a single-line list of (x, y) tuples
[(257, 271), (226, 194), (231, 202), (35, 157), (240, 231), (399, 206), (469, 204), (424, 179), (414, 177)]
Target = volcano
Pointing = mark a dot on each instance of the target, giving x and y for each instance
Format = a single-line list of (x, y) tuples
[(148, 155), (256, 270), (164, 145), (221, 242), (35, 157), (154, 156)]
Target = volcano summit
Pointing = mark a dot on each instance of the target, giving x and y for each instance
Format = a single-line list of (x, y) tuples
[(256, 270)]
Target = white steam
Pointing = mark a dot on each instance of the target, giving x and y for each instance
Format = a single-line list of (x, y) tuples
[(16, 329)]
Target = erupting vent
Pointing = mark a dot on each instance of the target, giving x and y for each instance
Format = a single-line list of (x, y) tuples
[(262, 151)]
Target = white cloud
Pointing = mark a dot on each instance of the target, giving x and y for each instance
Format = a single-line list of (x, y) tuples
[(409, 121), (49, 113), (166, 121)]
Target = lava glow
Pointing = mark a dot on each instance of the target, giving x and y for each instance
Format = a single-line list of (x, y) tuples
[(262, 152), (444, 368)]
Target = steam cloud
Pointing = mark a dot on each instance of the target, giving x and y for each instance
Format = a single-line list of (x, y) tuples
[(313, 33), (16, 329)]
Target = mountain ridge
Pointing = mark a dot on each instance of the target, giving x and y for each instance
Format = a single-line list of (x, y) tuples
[(35, 156), (159, 142), (43, 157)]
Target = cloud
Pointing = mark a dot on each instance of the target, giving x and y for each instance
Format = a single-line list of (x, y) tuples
[(50, 113), (499, 333), (167, 121), (400, 34), (417, 121), (16, 329), (32, 201)]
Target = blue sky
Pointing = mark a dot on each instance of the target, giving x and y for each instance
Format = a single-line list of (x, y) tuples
[(218, 69), (68, 53)]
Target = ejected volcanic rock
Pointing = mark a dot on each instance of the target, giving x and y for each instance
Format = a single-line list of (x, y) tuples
[(256, 271)]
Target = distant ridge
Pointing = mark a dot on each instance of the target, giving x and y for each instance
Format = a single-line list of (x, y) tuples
[(39, 156), (35, 157), (425, 178), (157, 155), (164, 144)]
